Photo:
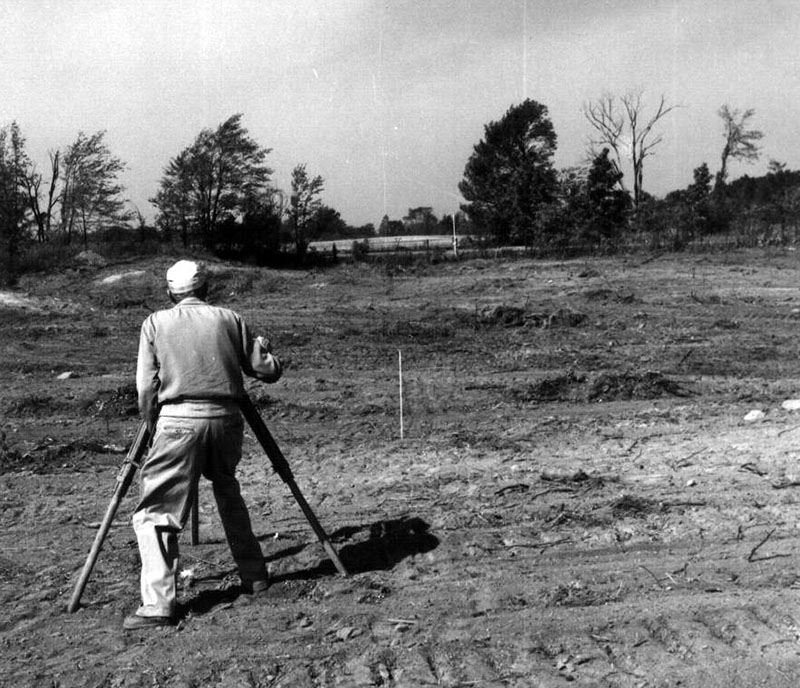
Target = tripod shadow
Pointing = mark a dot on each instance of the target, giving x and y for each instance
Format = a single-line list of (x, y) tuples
[(380, 547), (387, 543)]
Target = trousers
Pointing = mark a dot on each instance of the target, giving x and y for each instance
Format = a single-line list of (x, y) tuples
[(182, 450)]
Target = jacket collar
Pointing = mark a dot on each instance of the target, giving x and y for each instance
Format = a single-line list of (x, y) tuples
[(191, 301)]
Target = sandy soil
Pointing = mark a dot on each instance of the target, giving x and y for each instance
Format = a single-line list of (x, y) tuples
[(596, 483)]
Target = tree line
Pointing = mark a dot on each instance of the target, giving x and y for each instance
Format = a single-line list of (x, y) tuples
[(515, 195), (218, 193), (81, 194)]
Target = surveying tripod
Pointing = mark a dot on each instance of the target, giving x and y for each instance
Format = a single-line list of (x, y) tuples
[(136, 454)]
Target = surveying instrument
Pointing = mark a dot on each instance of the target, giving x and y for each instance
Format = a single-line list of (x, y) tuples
[(136, 454)]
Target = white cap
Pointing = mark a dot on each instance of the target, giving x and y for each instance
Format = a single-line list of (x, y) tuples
[(185, 275)]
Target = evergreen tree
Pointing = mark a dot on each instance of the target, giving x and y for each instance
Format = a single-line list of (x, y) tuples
[(509, 178), (607, 202), (13, 200)]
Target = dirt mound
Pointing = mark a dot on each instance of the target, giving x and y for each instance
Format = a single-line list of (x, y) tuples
[(514, 316), (505, 316), (561, 388), (623, 386), (603, 387)]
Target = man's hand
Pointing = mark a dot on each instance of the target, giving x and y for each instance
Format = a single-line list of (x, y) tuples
[(265, 365)]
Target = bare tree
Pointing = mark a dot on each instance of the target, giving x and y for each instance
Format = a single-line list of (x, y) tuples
[(620, 124), (740, 142), (42, 208)]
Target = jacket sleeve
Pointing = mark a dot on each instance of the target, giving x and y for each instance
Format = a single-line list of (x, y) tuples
[(258, 360), (147, 381)]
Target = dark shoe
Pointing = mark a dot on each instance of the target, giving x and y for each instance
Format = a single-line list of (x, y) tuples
[(140, 623), (259, 587), (255, 588), (253, 592)]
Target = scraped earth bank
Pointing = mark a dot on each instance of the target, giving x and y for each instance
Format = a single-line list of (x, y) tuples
[(596, 485)]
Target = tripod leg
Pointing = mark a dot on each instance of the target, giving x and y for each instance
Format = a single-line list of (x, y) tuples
[(281, 466), (315, 525), (93, 553), (124, 480)]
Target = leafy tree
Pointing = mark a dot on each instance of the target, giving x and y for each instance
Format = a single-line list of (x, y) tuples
[(695, 212), (462, 225), (700, 188), (174, 199), (740, 142), (256, 236), (304, 203), (13, 200), (90, 192), (592, 207), (509, 178), (691, 208), (215, 178), (327, 223), (776, 204), (621, 125), (776, 166), (564, 220), (420, 221), (607, 202)]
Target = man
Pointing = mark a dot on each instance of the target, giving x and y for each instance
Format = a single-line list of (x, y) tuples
[(189, 381)]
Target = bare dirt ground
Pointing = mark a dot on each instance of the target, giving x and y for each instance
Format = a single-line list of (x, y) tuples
[(597, 482)]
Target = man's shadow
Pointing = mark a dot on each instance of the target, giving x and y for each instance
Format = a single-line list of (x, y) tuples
[(387, 543)]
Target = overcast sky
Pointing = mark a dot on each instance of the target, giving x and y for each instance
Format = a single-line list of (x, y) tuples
[(386, 98)]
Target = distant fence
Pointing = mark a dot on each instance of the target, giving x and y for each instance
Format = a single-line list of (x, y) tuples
[(744, 236), (389, 244)]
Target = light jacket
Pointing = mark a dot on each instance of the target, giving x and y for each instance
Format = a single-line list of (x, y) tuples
[(197, 352)]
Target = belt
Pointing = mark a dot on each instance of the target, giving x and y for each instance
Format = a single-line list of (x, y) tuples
[(199, 408)]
